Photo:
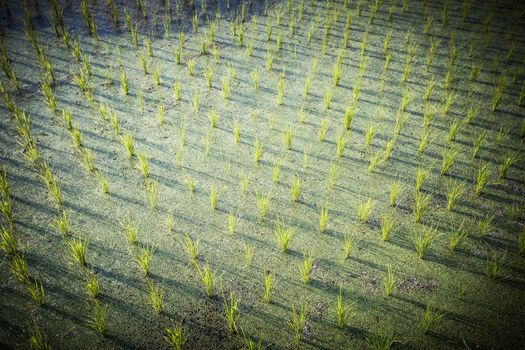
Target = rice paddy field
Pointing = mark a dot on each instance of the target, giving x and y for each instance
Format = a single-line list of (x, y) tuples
[(290, 174)]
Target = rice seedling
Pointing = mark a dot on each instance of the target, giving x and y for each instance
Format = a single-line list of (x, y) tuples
[(208, 278), (448, 157), (421, 177), (406, 99), (298, 322), (226, 88), (196, 102), (375, 160), (434, 43), (248, 255), (328, 94), (429, 89), (323, 129), (124, 83), (340, 143), (214, 196), (276, 171), (280, 90), (8, 243), (93, 286), (400, 121), (388, 222), (509, 159), (213, 118), (66, 117), (430, 317), (421, 206), (386, 66), (152, 191), (364, 210), (143, 164), (143, 260), (269, 283), (89, 160), (76, 135), (18, 267), (395, 189), (390, 281), (269, 59), (255, 79), (459, 234), (5, 64), (428, 25), (191, 248), (148, 46), (208, 75), (82, 81), (177, 91), (231, 312), (336, 78), (482, 178), (49, 95), (347, 247), (455, 190), (478, 143), (195, 22), (156, 297), (156, 76), (79, 249), (323, 219), (6, 206), (381, 341), (243, 179), (115, 122), (455, 128), (501, 135), (423, 143), (447, 82), (287, 138), (215, 53), (175, 337), (472, 112), (305, 159), (52, 184), (37, 340), (422, 240), (361, 73), (369, 135), (161, 114), (128, 141), (342, 310), (350, 113), (144, 63), (231, 223), (296, 188), (258, 150), (283, 236), (97, 320), (113, 11), (62, 224), (474, 72), (485, 225), (497, 97), (31, 154), (307, 84)]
